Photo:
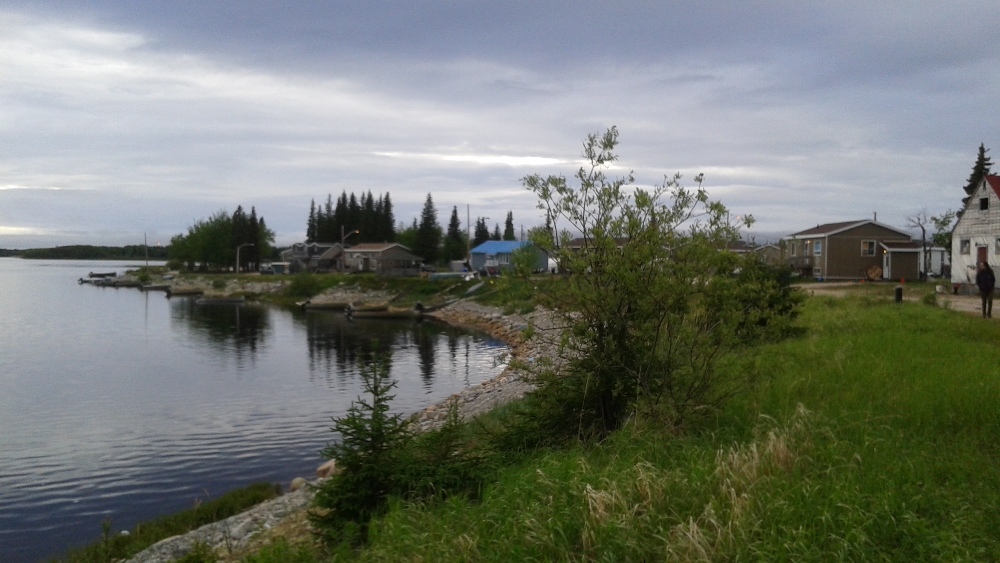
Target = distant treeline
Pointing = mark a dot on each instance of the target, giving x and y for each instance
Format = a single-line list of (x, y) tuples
[(4, 252), (87, 252)]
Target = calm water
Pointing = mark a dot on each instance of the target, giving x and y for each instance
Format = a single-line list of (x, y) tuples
[(119, 403)]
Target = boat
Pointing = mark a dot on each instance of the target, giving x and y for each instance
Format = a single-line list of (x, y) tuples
[(103, 275), (219, 300)]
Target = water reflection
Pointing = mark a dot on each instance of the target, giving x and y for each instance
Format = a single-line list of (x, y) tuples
[(241, 329), (337, 346)]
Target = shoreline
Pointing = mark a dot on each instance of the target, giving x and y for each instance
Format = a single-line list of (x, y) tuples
[(241, 533)]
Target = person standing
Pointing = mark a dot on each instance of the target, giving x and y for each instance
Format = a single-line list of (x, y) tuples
[(986, 281)]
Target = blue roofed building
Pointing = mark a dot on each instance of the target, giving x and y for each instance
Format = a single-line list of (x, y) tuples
[(498, 255)]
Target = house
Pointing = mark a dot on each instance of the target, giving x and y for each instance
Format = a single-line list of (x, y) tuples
[(766, 253), (383, 258), (976, 237), (499, 255), (312, 257), (852, 250)]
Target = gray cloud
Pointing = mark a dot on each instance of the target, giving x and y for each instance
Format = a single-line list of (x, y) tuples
[(150, 116)]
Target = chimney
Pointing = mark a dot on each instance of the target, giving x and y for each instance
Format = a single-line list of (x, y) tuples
[(875, 218)]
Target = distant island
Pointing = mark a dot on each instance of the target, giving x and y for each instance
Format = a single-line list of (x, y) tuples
[(88, 252)]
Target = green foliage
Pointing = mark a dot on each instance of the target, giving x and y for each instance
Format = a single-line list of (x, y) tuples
[(455, 240), (372, 217), (980, 169), (481, 233), (212, 244), (428, 241), (855, 448), (508, 227), (116, 547), (304, 285), (943, 229), (651, 299), (369, 456)]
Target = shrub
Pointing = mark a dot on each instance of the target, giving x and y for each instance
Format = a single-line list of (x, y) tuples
[(653, 300)]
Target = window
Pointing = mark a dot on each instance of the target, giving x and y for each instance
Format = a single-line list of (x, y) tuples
[(817, 272), (996, 250), (964, 246), (984, 203), (818, 248), (868, 248)]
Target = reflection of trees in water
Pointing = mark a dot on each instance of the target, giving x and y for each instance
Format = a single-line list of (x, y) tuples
[(337, 345), (229, 328)]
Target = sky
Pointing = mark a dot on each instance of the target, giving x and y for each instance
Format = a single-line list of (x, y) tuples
[(121, 120)]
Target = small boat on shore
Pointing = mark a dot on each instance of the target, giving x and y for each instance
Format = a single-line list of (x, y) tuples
[(102, 275), (220, 300)]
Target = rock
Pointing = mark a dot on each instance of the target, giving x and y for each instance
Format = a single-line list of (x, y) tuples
[(327, 469), (298, 483)]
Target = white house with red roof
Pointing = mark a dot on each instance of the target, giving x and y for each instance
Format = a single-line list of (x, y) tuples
[(976, 237)]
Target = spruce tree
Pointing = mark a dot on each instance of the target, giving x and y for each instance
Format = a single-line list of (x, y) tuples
[(428, 234), (496, 232), (482, 232), (979, 170), (311, 222), (454, 242), (508, 229)]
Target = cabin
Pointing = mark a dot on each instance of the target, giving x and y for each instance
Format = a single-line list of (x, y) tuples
[(382, 258), (495, 256), (976, 237), (853, 250)]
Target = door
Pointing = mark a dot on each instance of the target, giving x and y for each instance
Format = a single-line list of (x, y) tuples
[(886, 263), (982, 253)]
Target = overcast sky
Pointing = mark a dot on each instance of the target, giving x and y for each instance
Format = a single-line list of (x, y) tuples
[(119, 118)]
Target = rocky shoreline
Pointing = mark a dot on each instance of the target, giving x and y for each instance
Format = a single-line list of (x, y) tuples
[(242, 532)]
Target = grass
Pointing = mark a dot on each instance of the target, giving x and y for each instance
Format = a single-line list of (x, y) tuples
[(872, 437), (117, 547)]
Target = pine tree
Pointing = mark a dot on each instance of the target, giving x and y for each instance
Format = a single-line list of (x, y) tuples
[(370, 455), (481, 233), (979, 170), (454, 242), (311, 222), (388, 220), (508, 228), (496, 232), (428, 234)]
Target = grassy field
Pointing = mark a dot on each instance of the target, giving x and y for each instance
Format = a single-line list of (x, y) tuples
[(871, 437)]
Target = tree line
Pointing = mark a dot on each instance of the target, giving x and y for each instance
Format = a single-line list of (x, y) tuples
[(366, 218), (88, 252), (216, 242), (356, 219)]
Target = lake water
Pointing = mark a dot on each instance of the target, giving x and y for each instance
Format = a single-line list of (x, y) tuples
[(119, 403)]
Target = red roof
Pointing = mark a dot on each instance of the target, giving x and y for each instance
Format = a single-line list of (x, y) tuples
[(994, 182)]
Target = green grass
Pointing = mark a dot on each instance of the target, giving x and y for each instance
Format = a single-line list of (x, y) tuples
[(116, 547), (871, 437)]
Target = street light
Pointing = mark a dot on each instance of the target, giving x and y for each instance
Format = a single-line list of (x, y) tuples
[(343, 240), (238, 254)]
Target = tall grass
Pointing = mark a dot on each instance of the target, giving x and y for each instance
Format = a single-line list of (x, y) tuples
[(872, 437)]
